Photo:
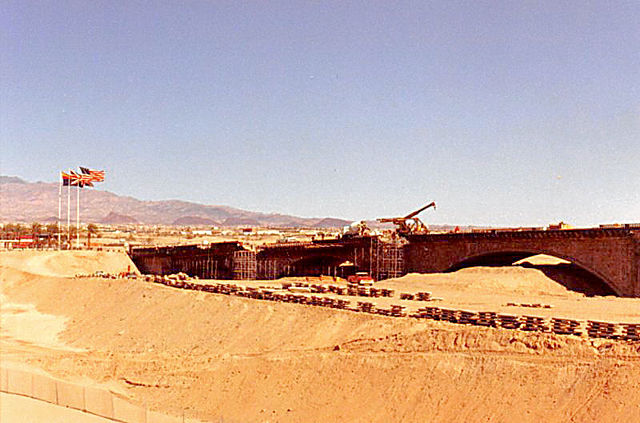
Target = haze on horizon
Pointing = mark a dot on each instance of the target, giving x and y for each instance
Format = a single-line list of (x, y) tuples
[(504, 113)]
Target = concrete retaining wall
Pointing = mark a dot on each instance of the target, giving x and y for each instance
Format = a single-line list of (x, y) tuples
[(97, 401)]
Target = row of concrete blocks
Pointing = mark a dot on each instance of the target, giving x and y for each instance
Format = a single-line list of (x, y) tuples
[(313, 300), (352, 289), (225, 288), (393, 311), (99, 402), (418, 296), (592, 328), (369, 291), (273, 295)]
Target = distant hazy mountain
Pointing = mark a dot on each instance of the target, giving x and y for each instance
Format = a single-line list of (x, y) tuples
[(22, 201), (330, 222), (114, 218), (194, 220)]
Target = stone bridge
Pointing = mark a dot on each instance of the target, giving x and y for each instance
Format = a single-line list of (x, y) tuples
[(230, 260), (315, 258), (213, 261), (611, 254)]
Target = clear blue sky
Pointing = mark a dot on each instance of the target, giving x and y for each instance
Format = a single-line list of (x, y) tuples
[(503, 112)]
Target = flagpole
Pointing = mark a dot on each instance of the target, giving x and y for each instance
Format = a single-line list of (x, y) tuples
[(69, 214), (59, 210), (78, 217)]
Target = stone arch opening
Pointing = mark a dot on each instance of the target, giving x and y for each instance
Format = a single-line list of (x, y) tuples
[(327, 265), (569, 273)]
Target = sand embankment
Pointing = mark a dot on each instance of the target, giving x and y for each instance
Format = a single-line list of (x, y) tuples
[(213, 356), (66, 263)]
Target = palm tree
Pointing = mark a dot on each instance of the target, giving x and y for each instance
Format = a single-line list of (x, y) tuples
[(91, 229)]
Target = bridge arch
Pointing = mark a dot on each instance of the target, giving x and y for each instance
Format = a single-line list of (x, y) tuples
[(595, 281), (314, 265)]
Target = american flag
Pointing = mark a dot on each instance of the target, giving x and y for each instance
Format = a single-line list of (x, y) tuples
[(96, 175)]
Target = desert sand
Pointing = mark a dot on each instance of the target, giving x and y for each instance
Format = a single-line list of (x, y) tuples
[(225, 358)]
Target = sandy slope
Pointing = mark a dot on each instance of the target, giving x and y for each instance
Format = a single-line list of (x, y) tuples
[(216, 356), (66, 263)]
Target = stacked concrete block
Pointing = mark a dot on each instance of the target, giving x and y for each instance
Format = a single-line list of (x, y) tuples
[(597, 329), (423, 296), (328, 302), (565, 326), (631, 331), (432, 313), (535, 324), (508, 321), (366, 307), (467, 317), (487, 318), (449, 315), (342, 304), (363, 292), (315, 300), (387, 292), (397, 311)]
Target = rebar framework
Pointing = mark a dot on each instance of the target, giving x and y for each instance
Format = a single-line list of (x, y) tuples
[(389, 260), (245, 265)]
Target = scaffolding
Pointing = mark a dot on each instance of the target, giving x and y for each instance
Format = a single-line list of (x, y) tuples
[(389, 260), (245, 265)]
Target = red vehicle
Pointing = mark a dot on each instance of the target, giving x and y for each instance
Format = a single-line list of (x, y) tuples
[(361, 278)]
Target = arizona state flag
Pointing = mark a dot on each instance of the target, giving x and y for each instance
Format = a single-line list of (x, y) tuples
[(66, 178)]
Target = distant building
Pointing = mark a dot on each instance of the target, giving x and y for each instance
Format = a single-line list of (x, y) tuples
[(560, 226)]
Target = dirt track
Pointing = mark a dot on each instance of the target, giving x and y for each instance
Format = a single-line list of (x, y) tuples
[(248, 360)]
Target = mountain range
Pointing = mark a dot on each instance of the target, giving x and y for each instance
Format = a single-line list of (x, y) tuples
[(22, 201)]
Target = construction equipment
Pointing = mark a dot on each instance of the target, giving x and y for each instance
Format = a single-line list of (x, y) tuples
[(409, 224), (356, 229), (360, 278)]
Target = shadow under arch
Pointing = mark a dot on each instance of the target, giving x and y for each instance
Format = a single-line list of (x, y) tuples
[(327, 265), (572, 275)]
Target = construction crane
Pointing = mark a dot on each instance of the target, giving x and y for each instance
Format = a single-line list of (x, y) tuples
[(409, 224)]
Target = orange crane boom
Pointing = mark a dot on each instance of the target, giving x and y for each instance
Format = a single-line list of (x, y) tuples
[(409, 224)]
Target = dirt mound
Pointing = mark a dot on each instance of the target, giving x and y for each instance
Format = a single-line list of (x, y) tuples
[(234, 359), (66, 263), (514, 280), (226, 358)]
